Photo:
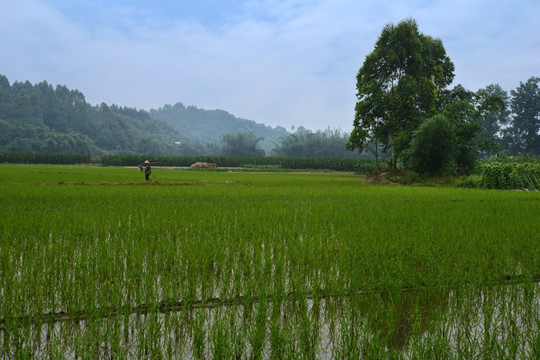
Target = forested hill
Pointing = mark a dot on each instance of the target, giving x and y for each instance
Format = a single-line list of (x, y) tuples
[(208, 126), (43, 118)]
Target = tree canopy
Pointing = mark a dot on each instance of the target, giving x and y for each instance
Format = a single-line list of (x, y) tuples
[(523, 134), (242, 144), (405, 105), (208, 126), (398, 86), (403, 97), (305, 143)]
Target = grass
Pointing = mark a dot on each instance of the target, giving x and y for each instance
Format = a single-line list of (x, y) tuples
[(281, 265)]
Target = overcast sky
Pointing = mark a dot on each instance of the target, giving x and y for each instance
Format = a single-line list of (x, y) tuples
[(277, 62)]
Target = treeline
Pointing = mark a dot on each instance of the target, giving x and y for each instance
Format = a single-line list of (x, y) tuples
[(334, 164), (41, 118), (327, 143), (405, 105), (303, 143), (513, 127), (44, 158)]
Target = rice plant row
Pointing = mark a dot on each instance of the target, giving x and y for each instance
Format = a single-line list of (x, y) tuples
[(250, 265)]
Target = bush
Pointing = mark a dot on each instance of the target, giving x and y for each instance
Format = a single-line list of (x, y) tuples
[(471, 181), (433, 147), (511, 174), (43, 158)]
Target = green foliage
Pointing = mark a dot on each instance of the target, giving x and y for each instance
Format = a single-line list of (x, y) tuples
[(43, 158), (523, 134), (242, 144), (398, 86), (208, 126), (402, 86), (470, 181), (258, 163), (335, 164), (447, 143), (464, 116), (507, 173), (286, 266), (494, 116), (433, 147), (328, 143), (40, 118)]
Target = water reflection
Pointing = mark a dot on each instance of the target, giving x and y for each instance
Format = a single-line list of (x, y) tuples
[(406, 323)]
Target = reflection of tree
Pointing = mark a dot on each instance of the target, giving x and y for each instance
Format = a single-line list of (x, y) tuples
[(395, 317)]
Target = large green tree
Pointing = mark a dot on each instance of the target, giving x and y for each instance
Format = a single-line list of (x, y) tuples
[(399, 86), (523, 134), (495, 115)]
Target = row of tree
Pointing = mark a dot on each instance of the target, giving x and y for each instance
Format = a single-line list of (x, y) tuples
[(41, 118), (405, 107), (302, 144)]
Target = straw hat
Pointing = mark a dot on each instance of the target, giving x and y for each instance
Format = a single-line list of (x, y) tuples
[(146, 162)]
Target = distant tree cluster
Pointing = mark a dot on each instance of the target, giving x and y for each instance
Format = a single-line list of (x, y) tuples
[(242, 144), (209, 126), (404, 106), (305, 143), (302, 144), (522, 135)]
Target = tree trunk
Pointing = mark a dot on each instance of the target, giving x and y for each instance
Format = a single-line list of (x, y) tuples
[(377, 157)]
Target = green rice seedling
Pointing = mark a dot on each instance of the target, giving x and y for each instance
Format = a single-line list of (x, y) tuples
[(348, 342), (277, 338), (257, 336), (274, 265), (221, 343), (199, 336)]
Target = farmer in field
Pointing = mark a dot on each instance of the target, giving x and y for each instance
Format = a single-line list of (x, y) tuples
[(147, 169)]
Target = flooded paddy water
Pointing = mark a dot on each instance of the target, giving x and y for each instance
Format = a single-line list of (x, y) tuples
[(501, 320)]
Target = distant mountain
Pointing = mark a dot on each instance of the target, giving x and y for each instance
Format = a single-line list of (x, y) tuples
[(208, 126), (43, 118)]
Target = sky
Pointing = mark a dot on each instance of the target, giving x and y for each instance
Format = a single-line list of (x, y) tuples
[(278, 62)]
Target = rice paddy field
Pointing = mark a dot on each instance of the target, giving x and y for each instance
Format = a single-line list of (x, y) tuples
[(96, 263)]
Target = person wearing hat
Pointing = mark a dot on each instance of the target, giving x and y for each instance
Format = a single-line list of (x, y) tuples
[(147, 169)]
